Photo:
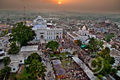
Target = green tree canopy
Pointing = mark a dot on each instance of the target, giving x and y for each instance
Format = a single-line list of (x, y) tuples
[(32, 57), (14, 49), (6, 60), (5, 72), (79, 42), (108, 37), (112, 60), (114, 71), (100, 77), (114, 46), (53, 45), (103, 66), (105, 53), (22, 34), (95, 44), (36, 66)]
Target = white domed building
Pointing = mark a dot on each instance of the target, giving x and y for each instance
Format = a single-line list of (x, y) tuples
[(46, 31), (82, 34), (84, 31)]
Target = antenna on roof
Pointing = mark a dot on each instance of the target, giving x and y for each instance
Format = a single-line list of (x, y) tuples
[(39, 13), (24, 15)]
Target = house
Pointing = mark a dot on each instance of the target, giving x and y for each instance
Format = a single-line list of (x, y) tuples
[(18, 59), (60, 72), (2, 52), (14, 66), (116, 54)]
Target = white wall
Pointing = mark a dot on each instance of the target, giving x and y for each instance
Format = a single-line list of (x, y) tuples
[(49, 34), (21, 61), (67, 50), (14, 67)]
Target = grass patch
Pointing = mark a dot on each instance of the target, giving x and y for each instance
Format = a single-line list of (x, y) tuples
[(64, 62), (63, 55), (13, 76), (52, 55), (23, 74)]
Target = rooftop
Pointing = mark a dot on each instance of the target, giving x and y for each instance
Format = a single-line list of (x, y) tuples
[(30, 48), (73, 35), (115, 53)]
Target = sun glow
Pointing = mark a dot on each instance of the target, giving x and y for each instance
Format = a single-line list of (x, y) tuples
[(59, 2)]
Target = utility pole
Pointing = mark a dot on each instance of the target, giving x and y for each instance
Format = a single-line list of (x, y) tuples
[(24, 15)]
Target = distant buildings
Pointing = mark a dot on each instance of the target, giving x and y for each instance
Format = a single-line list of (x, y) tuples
[(4, 46), (2, 52), (82, 34)]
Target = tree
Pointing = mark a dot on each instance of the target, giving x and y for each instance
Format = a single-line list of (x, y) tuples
[(22, 34), (95, 44), (79, 42), (114, 71), (53, 45), (114, 46), (14, 49), (100, 77), (108, 37), (105, 53), (3, 33), (8, 19), (107, 61), (112, 60), (6, 60), (118, 67), (103, 66), (5, 72), (32, 57), (37, 67)]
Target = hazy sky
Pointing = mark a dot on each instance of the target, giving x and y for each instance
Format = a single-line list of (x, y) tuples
[(69, 5)]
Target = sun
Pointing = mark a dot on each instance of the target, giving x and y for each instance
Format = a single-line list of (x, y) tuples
[(59, 2)]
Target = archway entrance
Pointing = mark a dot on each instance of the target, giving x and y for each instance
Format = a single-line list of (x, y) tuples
[(57, 36), (41, 37)]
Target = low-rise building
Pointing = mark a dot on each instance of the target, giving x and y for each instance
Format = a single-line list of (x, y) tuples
[(2, 52), (14, 65), (83, 35), (18, 59)]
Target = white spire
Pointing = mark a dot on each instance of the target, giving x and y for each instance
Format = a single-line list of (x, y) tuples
[(84, 28)]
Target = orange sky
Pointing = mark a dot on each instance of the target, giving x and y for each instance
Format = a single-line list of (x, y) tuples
[(69, 5)]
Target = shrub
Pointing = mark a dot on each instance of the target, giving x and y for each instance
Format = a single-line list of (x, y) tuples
[(51, 55), (100, 77)]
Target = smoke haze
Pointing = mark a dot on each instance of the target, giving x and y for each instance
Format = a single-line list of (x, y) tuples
[(66, 5)]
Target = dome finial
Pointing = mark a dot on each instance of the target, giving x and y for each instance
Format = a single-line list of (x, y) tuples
[(84, 28)]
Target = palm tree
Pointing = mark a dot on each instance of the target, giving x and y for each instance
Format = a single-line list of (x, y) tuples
[(79, 42)]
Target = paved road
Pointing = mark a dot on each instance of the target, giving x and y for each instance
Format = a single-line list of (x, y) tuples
[(1, 64)]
